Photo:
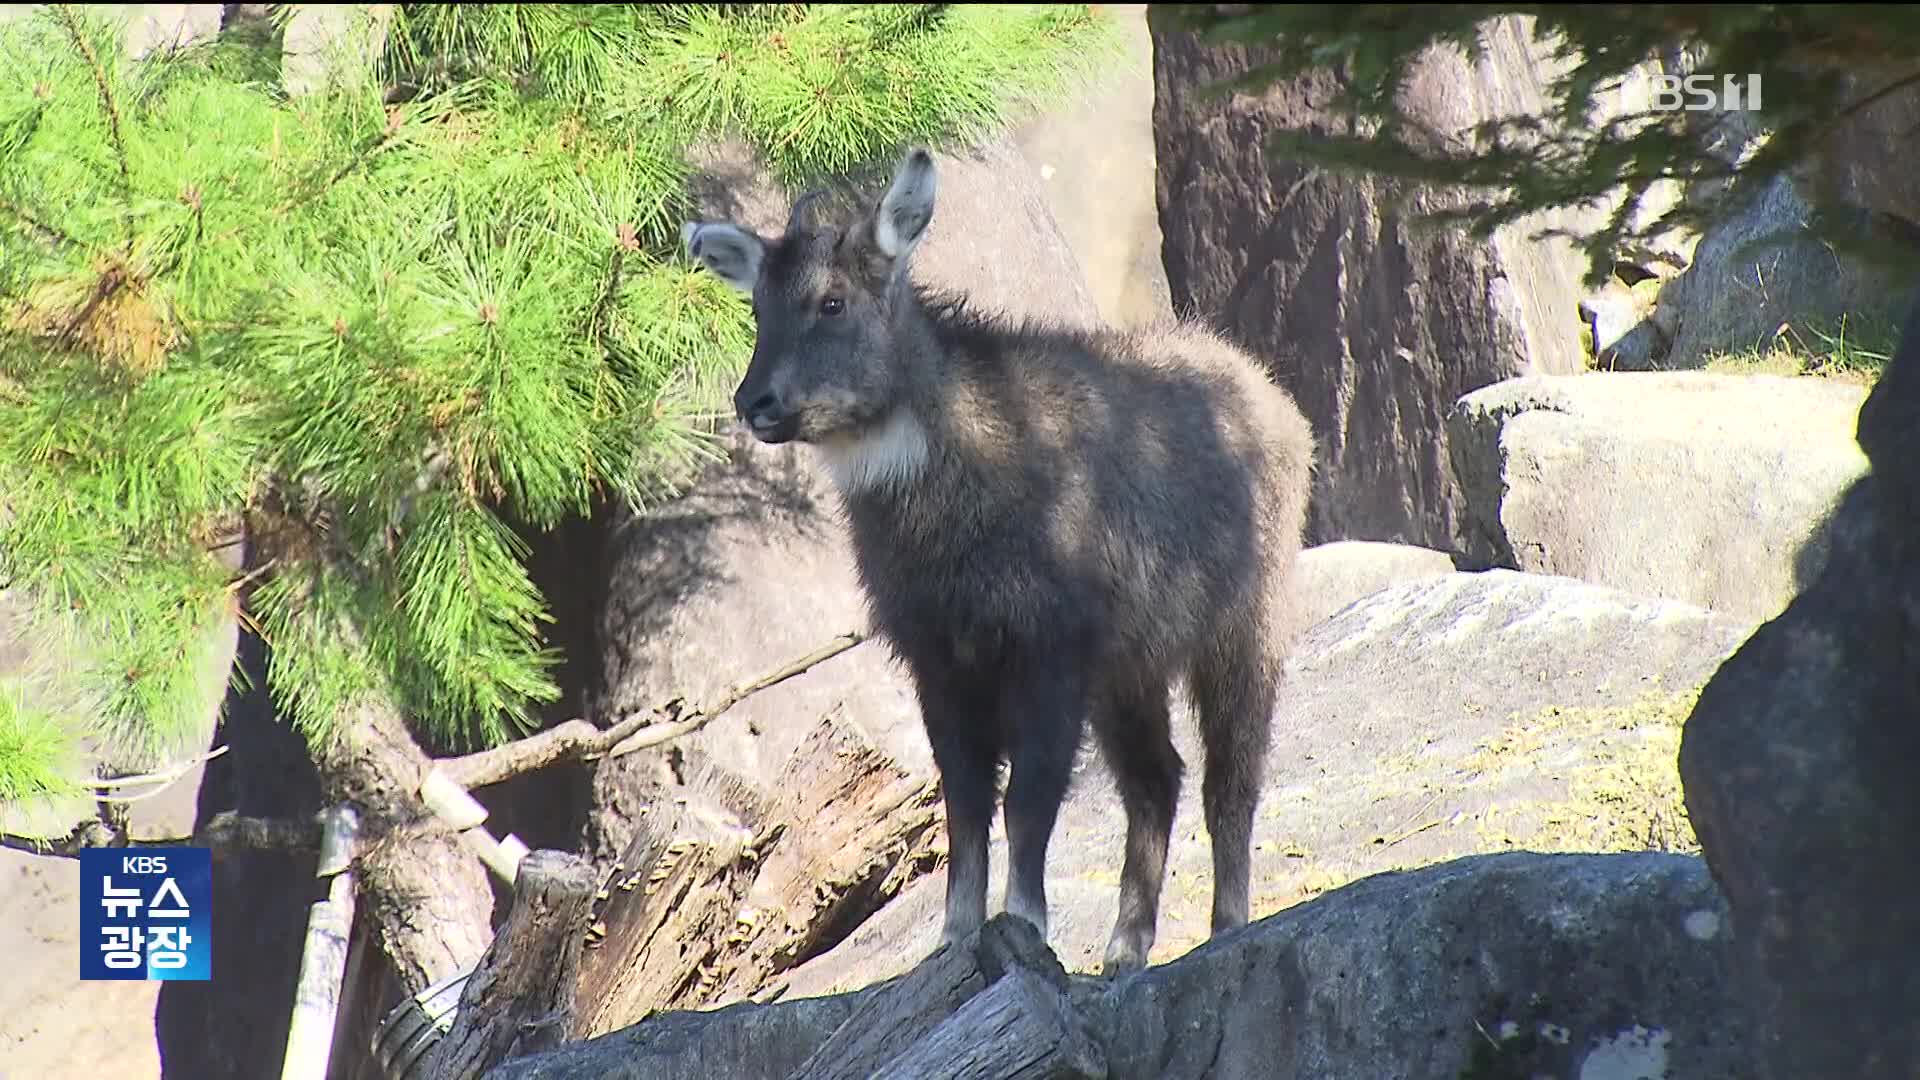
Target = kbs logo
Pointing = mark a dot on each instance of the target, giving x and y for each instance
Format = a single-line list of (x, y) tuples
[(146, 913), (1697, 93)]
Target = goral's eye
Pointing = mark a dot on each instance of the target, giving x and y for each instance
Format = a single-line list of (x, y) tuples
[(832, 305)]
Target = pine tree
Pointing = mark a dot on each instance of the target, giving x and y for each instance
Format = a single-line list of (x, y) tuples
[(1819, 64), (376, 329)]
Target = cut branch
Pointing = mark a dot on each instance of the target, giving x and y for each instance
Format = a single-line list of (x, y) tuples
[(223, 832), (580, 739)]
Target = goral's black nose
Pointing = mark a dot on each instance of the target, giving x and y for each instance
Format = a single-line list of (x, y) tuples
[(766, 418), (761, 410)]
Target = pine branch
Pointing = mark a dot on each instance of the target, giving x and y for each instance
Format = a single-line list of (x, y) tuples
[(421, 309), (626, 241), (108, 106), (579, 739), (47, 231)]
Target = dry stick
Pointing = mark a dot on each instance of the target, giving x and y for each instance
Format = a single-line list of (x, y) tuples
[(161, 776), (580, 739)]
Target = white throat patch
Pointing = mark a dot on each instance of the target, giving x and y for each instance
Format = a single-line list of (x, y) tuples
[(892, 453)]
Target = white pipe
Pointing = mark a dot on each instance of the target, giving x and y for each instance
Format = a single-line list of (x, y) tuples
[(323, 960)]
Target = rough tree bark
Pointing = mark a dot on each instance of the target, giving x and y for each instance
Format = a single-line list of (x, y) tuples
[(426, 892), (893, 1020), (1020, 1028), (700, 914), (521, 998)]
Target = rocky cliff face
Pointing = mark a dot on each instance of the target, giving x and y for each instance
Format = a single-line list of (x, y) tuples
[(1375, 326)]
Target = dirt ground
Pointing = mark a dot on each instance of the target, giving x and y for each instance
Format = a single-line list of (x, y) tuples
[(52, 1025)]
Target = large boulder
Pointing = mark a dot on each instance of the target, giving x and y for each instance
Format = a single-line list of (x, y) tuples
[(1798, 768), (1443, 716), (1764, 271), (752, 567), (148, 28), (1377, 327), (1688, 485), (1868, 160), (1101, 141), (1601, 967), (1768, 270), (1328, 577)]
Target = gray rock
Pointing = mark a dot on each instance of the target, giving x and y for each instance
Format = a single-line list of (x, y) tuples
[(1376, 327), (1763, 269), (1625, 336), (1331, 576), (322, 41), (1798, 767), (1508, 965), (163, 27), (1386, 706), (751, 568), (1867, 160), (1093, 155), (146, 28), (1685, 485), (1601, 967)]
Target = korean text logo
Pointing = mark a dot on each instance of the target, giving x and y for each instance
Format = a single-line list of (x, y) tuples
[(146, 913)]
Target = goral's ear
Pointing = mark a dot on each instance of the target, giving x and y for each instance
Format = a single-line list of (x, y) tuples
[(907, 208), (728, 251)]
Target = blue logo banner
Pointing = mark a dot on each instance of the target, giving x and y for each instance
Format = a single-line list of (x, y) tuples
[(146, 913)]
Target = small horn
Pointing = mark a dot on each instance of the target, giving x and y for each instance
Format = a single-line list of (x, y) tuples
[(804, 210)]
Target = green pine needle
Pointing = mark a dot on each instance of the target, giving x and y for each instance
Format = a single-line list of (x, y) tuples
[(36, 752), (382, 327)]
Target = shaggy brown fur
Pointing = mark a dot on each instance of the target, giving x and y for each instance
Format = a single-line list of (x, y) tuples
[(1052, 527)]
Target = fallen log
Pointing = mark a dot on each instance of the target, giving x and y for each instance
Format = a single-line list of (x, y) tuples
[(897, 1016), (994, 1006), (1020, 1028), (711, 908)]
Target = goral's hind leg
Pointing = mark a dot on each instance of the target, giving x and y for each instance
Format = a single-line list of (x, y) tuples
[(1136, 741), (1234, 688)]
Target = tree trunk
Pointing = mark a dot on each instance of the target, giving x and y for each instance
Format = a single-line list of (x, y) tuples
[(521, 998), (427, 895)]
